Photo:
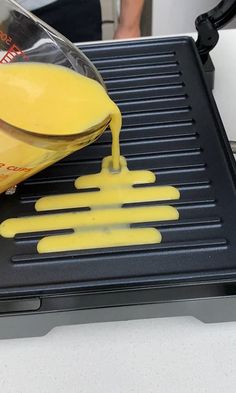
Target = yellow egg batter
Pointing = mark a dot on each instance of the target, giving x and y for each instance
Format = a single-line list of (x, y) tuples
[(107, 223), (48, 100)]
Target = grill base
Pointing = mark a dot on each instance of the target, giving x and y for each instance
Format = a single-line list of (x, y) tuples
[(213, 310), (172, 127)]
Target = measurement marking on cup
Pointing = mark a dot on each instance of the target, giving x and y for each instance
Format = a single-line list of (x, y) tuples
[(5, 38), (13, 168), (12, 53)]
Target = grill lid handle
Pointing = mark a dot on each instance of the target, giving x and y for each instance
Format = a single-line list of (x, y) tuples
[(208, 24)]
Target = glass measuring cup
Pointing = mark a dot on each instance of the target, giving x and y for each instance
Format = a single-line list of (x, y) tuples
[(25, 38)]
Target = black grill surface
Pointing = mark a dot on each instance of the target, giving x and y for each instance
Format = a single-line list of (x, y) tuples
[(170, 126)]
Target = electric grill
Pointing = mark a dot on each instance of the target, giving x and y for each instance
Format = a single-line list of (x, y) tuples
[(172, 127)]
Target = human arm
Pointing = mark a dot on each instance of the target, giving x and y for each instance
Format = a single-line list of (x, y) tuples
[(130, 17)]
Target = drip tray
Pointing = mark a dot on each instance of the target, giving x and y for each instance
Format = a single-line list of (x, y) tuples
[(171, 126)]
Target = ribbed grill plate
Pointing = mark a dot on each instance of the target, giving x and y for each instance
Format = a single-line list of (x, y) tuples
[(170, 126)]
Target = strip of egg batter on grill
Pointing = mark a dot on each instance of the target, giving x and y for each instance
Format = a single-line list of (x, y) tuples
[(107, 223)]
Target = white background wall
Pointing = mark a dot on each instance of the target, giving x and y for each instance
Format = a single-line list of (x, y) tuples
[(109, 13), (178, 16)]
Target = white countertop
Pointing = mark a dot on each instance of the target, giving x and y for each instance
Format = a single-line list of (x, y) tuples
[(146, 356)]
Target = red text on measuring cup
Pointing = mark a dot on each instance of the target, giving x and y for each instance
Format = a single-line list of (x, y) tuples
[(13, 50)]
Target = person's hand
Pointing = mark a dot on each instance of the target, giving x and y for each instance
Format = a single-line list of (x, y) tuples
[(123, 32)]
